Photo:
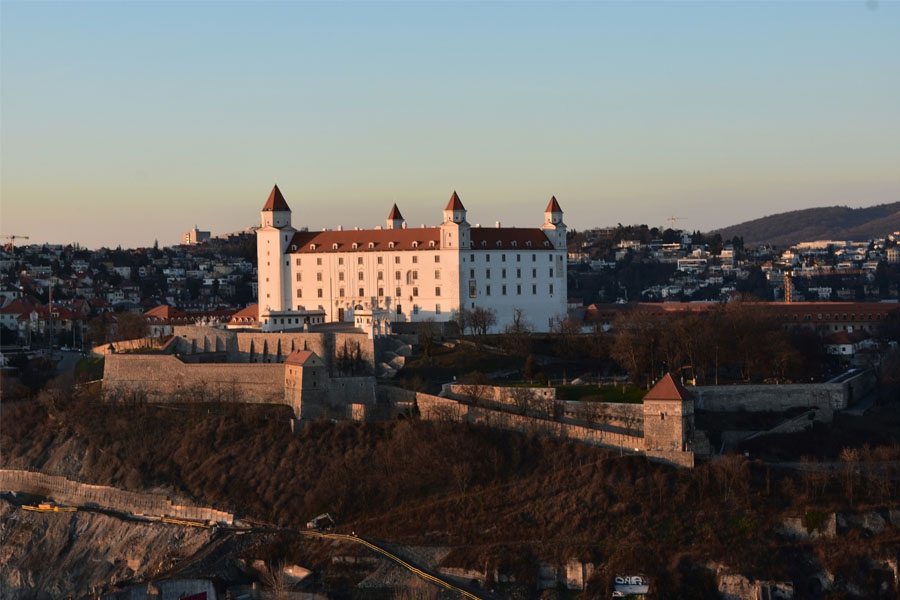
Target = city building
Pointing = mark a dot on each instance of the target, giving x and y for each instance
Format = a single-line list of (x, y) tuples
[(396, 274)]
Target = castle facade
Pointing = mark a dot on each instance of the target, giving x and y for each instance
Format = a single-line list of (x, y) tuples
[(375, 277)]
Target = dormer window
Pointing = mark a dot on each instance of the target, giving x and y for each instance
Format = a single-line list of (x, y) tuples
[(528, 243), (499, 243), (431, 244), (312, 246), (334, 246), (415, 244), (293, 247), (483, 244), (391, 245), (355, 245), (515, 243), (546, 244), (371, 245)]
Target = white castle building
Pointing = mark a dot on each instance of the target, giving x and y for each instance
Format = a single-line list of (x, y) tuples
[(375, 277)]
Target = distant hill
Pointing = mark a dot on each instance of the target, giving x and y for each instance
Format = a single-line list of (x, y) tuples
[(830, 223)]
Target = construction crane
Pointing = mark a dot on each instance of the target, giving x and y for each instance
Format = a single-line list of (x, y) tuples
[(12, 240), (672, 220)]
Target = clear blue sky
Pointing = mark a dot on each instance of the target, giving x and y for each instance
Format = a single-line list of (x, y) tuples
[(122, 123)]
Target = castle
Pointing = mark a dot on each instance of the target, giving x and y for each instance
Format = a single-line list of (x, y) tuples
[(375, 277)]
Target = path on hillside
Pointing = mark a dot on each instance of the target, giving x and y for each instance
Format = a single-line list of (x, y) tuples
[(222, 533)]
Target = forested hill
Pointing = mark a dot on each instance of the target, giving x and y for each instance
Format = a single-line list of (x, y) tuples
[(830, 223)]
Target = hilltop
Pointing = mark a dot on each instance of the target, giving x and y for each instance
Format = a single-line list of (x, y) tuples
[(828, 223)]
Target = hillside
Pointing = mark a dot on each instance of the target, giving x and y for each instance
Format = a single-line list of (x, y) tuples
[(495, 499), (830, 223)]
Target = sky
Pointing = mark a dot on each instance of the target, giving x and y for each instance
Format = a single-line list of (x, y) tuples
[(128, 123)]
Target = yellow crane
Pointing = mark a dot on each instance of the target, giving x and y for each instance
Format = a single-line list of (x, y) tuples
[(12, 240)]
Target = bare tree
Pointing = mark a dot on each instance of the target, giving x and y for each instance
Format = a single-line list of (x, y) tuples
[(481, 320)]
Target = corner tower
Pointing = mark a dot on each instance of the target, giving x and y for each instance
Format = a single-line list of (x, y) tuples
[(455, 228), (553, 225), (273, 265)]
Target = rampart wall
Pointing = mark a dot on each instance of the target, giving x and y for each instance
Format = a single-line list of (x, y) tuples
[(274, 347), (73, 493), (437, 408), (162, 377)]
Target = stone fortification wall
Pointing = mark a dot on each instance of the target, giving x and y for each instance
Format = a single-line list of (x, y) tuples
[(274, 347), (73, 493), (163, 377), (827, 397), (340, 398), (541, 401)]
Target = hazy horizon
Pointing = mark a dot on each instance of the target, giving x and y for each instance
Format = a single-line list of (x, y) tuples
[(125, 123)]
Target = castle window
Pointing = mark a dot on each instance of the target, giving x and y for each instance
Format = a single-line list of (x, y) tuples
[(503, 274), (518, 290), (298, 262), (396, 260), (319, 292), (487, 290), (341, 292), (381, 292), (437, 291), (397, 275), (341, 276), (503, 290), (437, 258), (415, 259), (415, 291), (319, 276), (340, 260), (397, 292), (518, 273), (359, 276), (362, 292), (318, 262), (299, 293), (299, 276), (437, 309), (437, 274), (502, 258), (380, 260), (359, 260), (551, 289), (487, 273), (380, 275)]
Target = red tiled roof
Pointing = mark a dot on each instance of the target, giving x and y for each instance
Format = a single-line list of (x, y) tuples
[(455, 203), (251, 312), (667, 388), (300, 357), (553, 206), (507, 238), (276, 201), (381, 239), (483, 238), (395, 213), (166, 312)]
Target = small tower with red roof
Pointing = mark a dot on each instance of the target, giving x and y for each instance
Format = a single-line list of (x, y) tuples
[(455, 228), (668, 418), (553, 226), (395, 220)]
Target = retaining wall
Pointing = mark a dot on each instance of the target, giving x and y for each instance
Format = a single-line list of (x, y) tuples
[(73, 493), (163, 377)]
